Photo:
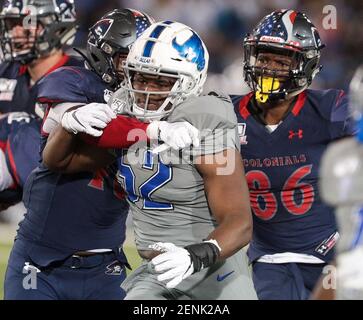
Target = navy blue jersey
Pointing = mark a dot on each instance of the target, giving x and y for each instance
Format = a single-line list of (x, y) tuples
[(16, 91), (282, 173), (19, 140), (71, 84), (72, 212)]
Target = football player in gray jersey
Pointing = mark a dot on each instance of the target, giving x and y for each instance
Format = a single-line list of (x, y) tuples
[(190, 207), (342, 186)]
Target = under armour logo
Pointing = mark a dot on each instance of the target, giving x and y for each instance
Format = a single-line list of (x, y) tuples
[(298, 134), (114, 269)]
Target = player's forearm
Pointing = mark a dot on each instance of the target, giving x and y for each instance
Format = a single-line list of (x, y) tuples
[(59, 149), (232, 234), (228, 198)]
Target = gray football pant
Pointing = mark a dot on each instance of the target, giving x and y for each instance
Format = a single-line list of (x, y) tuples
[(227, 280)]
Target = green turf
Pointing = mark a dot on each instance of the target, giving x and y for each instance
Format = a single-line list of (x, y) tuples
[(4, 254), (131, 254), (133, 257)]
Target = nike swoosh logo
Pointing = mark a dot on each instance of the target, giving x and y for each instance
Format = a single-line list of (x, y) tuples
[(221, 278)]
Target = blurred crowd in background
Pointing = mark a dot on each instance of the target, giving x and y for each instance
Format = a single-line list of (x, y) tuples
[(223, 23)]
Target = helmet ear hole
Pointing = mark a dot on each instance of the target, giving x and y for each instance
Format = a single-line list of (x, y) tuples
[(310, 67), (95, 58)]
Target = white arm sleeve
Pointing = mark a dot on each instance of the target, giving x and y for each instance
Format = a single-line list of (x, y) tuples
[(6, 180), (55, 115)]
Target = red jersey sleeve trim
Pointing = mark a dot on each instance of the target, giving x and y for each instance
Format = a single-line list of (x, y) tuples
[(3, 145), (299, 103), (14, 172), (59, 64), (121, 132), (243, 105)]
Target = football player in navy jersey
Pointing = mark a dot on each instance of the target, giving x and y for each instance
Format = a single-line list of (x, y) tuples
[(19, 144), (284, 129), (73, 232), (31, 44)]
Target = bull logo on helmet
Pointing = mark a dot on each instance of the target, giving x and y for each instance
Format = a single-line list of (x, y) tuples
[(192, 50)]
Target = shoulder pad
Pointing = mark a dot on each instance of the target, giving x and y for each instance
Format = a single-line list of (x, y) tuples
[(66, 84)]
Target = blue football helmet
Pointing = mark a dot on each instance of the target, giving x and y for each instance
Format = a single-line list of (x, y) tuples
[(166, 50)]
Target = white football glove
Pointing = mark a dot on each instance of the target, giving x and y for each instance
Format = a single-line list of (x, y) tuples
[(173, 265), (89, 119), (6, 180), (177, 135)]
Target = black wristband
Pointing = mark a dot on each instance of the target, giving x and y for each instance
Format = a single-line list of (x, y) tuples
[(202, 255)]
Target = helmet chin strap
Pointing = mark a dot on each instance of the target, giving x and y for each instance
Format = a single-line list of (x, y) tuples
[(295, 93)]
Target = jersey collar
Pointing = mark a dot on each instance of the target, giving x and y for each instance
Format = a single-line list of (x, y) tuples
[(59, 64), (245, 113), (63, 60)]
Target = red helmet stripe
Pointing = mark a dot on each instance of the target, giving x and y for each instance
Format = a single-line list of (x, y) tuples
[(293, 16)]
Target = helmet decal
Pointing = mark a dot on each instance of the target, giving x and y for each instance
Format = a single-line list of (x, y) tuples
[(142, 22), (192, 50), (269, 28), (100, 30)]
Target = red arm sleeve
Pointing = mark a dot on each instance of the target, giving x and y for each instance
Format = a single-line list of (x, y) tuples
[(121, 132)]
